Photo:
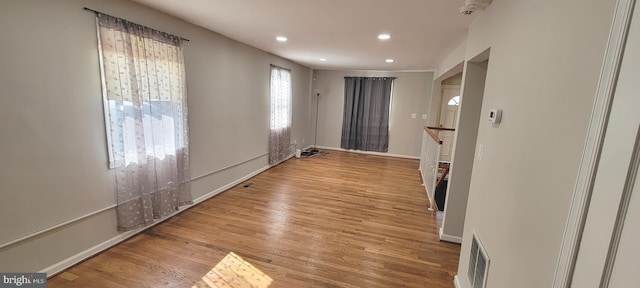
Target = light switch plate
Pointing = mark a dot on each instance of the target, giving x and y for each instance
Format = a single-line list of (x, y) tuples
[(414, 115), (424, 116)]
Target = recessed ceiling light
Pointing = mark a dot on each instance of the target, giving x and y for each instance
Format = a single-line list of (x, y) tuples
[(389, 60), (323, 59), (384, 36), (281, 38)]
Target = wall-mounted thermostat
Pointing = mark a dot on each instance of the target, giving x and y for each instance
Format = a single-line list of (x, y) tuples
[(495, 115)]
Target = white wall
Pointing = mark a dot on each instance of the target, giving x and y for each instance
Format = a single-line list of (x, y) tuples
[(449, 65), (544, 65), (411, 94), (53, 164), (453, 80)]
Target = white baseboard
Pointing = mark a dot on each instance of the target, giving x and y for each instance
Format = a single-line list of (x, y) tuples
[(370, 152), (449, 238), (231, 185), (77, 258)]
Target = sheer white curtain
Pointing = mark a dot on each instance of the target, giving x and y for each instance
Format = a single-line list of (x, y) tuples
[(146, 118), (280, 129)]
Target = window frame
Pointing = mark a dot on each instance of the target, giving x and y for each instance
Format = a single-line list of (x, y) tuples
[(107, 107)]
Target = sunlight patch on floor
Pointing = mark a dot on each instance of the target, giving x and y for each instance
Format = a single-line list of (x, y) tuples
[(234, 272)]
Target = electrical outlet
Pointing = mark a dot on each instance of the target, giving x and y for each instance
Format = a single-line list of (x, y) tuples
[(414, 115), (302, 140), (424, 116), (480, 151), (295, 142)]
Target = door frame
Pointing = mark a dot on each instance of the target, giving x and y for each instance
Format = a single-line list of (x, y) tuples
[(465, 138), (593, 146)]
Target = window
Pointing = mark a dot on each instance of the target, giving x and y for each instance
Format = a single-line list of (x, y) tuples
[(145, 104), (280, 123), (365, 116), (280, 98), (157, 117), (455, 101), (144, 97)]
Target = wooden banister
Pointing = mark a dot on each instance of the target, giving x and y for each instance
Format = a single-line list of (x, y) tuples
[(433, 135), (440, 128), (444, 168)]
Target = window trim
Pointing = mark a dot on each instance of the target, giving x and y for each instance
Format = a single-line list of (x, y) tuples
[(105, 102)]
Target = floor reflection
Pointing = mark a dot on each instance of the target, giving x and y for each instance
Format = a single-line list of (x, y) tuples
[(234, 272)]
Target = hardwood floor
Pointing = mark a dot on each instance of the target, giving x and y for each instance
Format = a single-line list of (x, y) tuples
[(335, 220)]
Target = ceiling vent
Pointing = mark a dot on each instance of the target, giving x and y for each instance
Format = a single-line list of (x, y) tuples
[(478, 264), (471, 6)]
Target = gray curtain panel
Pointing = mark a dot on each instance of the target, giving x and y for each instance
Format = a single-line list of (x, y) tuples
[(365, 123)]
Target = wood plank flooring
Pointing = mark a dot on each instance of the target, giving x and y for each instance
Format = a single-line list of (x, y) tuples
[(333, 220)]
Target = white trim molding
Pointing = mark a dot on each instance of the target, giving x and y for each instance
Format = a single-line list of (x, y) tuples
[(457, 283), (79, 257), (54, 227), (625, 202), (232, 184), (230, 166), (593, 145), (370, 152), (449, 238), (75, 259), (77, 219)]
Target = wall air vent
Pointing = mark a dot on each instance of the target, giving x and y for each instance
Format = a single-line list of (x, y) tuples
[(478, 264)]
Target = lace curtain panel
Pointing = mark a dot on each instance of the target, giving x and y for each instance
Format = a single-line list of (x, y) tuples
[(146, 117), (365, 125), (280, 124)]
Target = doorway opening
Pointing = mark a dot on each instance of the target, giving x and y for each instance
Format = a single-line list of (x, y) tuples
[(448, 116), (463, 152), (447, 122)]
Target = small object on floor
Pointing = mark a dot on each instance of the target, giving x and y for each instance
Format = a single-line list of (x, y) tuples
[(309, 152)]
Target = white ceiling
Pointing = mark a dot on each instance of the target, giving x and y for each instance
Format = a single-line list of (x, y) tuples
[(344, 32)]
